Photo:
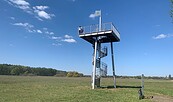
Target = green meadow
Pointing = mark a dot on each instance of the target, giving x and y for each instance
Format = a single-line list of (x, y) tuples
[(65, 89)]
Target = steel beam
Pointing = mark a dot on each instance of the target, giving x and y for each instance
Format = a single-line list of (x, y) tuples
[(95, 65), (113, 66)]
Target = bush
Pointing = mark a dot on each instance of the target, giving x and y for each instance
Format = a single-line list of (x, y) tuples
[(74, 74)]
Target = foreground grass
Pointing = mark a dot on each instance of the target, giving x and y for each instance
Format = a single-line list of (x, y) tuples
[(62, 89)]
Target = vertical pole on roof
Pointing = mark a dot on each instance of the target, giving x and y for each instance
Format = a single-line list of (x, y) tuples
[(113, 66), (94, 66), (99, 51), (100, 21)]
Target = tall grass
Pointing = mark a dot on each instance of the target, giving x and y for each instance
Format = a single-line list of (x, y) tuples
[(63, 89)]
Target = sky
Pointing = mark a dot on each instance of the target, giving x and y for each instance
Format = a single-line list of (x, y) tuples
[(43, 33)]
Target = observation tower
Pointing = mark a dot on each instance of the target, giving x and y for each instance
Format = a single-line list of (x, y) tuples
[(96, 35)]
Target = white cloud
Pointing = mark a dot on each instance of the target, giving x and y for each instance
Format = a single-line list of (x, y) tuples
[(25, 8), (38, 11), (54, 44), (68, 36), (13, 18), (31, 30), (51, 33), (40, 7), (20, 2), (43, 14), (162, 36), (45, 30), (39, 31), (55, 38), (27, 25), (69, 40)]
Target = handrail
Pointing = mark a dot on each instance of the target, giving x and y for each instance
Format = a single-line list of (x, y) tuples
[(95, 28), (102, 70)]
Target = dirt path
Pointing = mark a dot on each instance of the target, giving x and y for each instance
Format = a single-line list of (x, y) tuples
[(160, 98)]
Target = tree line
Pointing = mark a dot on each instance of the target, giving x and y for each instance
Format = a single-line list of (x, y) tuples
[(9, 69)]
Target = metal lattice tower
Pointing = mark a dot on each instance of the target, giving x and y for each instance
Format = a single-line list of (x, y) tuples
[(96, 35)]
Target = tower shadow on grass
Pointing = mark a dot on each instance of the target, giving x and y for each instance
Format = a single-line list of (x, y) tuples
[(118, 86)]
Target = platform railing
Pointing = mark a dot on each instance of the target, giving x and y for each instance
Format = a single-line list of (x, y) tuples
[(95, 28), (115, 31)]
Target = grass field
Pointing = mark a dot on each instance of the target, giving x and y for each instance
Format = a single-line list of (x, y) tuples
[(63, 89)]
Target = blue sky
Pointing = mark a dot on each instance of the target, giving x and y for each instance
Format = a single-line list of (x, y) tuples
[(43, 33)]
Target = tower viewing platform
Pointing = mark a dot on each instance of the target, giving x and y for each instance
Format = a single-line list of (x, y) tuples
[(107, 33)]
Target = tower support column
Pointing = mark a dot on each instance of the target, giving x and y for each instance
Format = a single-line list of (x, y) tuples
[(94, 66), (113, 66)]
